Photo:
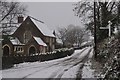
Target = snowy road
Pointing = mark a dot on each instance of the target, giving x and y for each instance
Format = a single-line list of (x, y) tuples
[(60, 68)]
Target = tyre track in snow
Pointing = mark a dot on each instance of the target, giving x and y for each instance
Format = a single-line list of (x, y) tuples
[(67, 67), (62, 62), (34, 66), (79, 73), (77, 63)]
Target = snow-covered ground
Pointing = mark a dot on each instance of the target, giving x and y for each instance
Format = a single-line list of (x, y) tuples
[(0, 75), (87, 72), (60, 68)]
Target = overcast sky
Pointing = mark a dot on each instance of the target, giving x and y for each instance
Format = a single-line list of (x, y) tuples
[(54, 14)]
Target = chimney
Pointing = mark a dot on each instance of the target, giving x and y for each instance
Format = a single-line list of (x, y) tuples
[(20, 19), (54, 33)]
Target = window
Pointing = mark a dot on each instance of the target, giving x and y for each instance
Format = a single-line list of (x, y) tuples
[(18, 49), (27, 36)]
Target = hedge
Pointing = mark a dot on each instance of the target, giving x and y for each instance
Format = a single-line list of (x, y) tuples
[(9, 61)]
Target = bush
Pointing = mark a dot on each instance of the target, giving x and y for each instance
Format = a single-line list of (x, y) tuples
[(9, 61)]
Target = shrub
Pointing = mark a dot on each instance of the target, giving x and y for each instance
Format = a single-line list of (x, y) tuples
[(9, 61)]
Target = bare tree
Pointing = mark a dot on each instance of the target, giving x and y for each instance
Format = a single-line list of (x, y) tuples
[(72, 35), (75, 35), (62, 35), (9, 11)]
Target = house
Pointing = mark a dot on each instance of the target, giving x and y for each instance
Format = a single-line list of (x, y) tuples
[(32, 36)]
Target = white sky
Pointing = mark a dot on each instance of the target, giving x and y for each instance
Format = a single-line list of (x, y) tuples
[(54, 14)]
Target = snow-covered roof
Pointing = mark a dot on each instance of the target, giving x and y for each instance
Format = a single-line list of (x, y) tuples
[(16, 42), (39, 41), (59, 41), (42, 27), (13, 30)]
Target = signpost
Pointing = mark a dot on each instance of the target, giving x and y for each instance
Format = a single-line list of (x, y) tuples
[(108, 27)]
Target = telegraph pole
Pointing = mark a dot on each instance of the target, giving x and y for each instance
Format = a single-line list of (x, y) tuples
[(95, 47)]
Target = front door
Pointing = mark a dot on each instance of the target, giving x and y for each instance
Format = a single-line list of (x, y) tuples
[(6, 51), (32, 50)]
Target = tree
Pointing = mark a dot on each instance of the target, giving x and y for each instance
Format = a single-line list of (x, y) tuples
[(9, 11), (62, 35), (75, 35), (105, 11), (72, 35)]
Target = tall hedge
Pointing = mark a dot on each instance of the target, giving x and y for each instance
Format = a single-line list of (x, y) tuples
[(9, 61)]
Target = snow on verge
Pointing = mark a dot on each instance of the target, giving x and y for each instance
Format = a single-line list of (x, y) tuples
[(87, 72), (72, 72), (0, 74)]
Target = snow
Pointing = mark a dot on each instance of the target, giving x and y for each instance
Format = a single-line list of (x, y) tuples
[(59, 41), (91, 38), (15, 41), (85, 52), (66, 67), (82, 44), (11, 28), (46, 73), (91, 54), (0, 74), (39, 41), (87, 72), (14, 28), (71, 73), (78, 51), (115, 31), (43, 28)]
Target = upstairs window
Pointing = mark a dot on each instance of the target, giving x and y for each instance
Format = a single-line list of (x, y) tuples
[(27, 36)]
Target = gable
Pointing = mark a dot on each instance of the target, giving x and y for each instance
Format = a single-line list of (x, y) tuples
[(42, 27), (37, 28), (30, 21), (27, 25)]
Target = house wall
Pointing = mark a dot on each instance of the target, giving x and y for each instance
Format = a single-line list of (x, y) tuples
[(42, 49), (28, 25), (50, 41), (32, 42)]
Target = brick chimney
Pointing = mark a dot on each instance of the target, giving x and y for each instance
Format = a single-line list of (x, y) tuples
[(20, 19)]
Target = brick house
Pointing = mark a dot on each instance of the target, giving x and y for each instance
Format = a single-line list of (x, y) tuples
[(32, 36)]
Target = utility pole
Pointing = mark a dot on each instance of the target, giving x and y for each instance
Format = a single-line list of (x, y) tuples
[(95, 47), (118, 13)]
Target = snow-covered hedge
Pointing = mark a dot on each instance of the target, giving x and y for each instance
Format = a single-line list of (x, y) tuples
[(8, 61), (109, 57)]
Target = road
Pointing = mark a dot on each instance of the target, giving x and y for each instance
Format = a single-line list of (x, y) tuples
[(60, 68)]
